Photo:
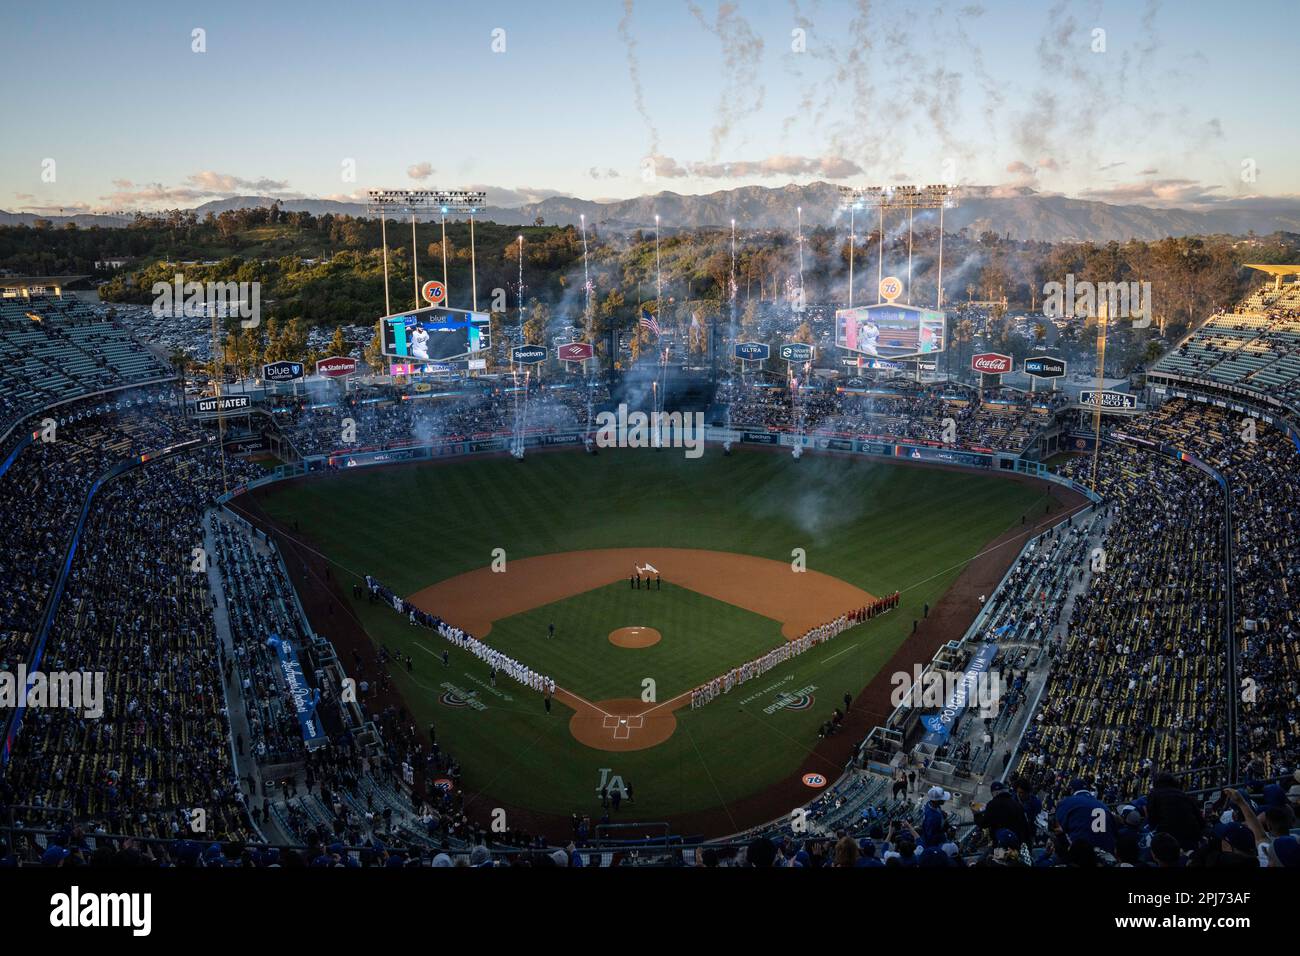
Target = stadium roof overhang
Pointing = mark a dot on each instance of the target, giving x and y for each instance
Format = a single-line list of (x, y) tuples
[(1277, 272), (25, 284)]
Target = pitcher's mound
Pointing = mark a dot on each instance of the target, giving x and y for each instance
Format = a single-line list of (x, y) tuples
[(634, 637)]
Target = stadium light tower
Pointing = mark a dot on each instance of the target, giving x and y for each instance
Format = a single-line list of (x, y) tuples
[(910, 198), (799, 241), (417, 201)]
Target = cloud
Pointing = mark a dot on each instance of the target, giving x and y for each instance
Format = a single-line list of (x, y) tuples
[(155, 194), (199, 187), (665, 167), (1020, 169), (67, 209), (1157, 192), (215, 182), (508, 197), (420, 171), (597, 173), (828, 167), (1149, 171), (1048, 163)]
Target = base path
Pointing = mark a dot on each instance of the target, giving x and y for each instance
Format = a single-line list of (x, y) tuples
[(799, 600), (328, 610)]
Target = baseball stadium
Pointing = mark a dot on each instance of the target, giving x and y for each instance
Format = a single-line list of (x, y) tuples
[(782, 488)]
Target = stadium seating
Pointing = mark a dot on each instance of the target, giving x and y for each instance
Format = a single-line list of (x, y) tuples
[(54, 349)]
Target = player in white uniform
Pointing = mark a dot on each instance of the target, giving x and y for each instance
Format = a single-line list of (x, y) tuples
[(420, 343)]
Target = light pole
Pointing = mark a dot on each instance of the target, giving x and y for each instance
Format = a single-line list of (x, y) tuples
[(383, 241), (659, 292), (445, 290), (415, 264), (382, 201), (910, 198), (799, 211), (853, 240), (473, 265)]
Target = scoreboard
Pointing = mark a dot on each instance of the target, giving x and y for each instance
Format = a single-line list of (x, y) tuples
[(435, 334)]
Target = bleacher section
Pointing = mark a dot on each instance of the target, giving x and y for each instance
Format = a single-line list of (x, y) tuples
[(53, 349), (1255, 346)]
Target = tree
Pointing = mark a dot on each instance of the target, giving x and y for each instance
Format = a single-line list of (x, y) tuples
[(535, 326), (338, 344), (374, 353)]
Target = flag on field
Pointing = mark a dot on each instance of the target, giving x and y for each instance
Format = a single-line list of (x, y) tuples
[(648, 321)]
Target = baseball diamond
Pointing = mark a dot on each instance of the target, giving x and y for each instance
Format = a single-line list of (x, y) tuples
[(576, 536)]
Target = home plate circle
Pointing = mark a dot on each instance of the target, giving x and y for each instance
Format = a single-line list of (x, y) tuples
[(622, 724), (634, 637)]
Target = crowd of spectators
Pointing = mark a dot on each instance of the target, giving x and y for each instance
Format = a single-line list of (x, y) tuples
[(384, 418), (1138, 682), (1004, 420), (134, 611), (42, 491), (1262, 468)]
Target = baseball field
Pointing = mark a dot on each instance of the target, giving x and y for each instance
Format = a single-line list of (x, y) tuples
[(748, 551)]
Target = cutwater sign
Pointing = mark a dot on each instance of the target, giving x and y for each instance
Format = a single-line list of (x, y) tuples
[(226, 403)]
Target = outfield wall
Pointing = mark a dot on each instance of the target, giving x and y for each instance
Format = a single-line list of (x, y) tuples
[(343, 459)]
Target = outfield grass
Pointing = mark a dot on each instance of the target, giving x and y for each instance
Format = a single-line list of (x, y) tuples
[(880, 526)]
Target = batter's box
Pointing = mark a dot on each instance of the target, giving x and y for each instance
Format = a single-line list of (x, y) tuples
[(622, 726)]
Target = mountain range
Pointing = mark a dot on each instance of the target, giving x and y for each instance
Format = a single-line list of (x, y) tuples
[(1017, 213)]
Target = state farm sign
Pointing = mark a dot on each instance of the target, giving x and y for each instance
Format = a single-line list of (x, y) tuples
[(991, 363), (336, 366)]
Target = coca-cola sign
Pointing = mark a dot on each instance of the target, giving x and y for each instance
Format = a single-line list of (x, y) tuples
[(991, 363)]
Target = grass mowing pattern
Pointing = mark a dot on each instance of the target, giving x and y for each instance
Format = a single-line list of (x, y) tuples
[(698, 633), (874, 524)]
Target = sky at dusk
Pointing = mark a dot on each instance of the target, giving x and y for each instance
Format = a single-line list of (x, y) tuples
[(1173, 103)]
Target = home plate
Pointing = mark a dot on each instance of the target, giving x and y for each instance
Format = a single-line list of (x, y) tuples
[(622, 726)]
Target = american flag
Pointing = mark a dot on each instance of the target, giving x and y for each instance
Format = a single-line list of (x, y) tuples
[(648, 321)]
